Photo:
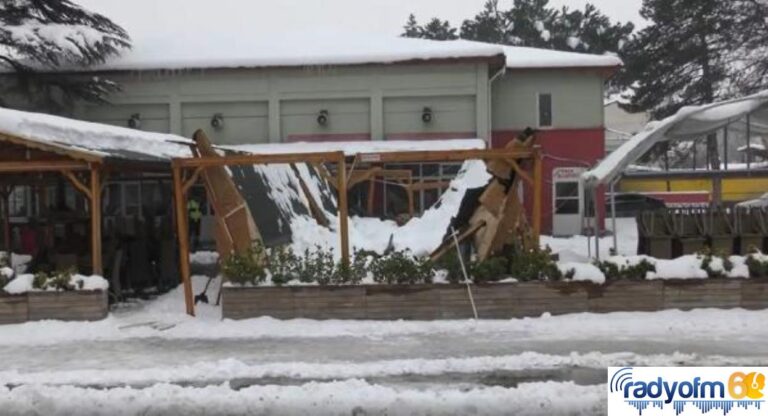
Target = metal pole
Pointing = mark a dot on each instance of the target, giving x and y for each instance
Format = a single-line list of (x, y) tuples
[(725, 147), (464, 270), (749, 142), (597, 225), (613, 219)]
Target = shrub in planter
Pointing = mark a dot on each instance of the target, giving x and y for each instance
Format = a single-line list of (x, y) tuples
[(318, 266), (401, 267), (613, 271), (282, 263), (489, 270), (757, 267), (246, 268), (534, 264), (716, 272), (61, 280)]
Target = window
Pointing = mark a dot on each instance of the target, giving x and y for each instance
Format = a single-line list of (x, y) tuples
[(545, 110), (567, 198)]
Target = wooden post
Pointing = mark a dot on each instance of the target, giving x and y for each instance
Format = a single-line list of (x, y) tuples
[(182, 232), (341, 178), (537, 195), (96, 264)]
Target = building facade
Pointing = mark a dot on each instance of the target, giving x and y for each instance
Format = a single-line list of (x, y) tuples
[(477, 91)]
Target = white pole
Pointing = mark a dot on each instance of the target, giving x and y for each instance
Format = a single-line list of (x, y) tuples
[(464, 270), (597, 226)]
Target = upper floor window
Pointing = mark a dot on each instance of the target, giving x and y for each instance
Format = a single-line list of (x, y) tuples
[(545, 110)]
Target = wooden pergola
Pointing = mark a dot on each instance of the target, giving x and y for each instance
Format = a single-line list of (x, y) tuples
[(86, 170), (186, 172)]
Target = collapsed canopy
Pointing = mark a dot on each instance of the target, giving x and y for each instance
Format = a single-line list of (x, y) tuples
[(687, 123)]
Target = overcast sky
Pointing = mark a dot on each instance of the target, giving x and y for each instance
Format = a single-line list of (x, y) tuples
[(147, 18)]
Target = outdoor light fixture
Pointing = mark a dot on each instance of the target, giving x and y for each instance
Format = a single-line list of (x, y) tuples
[(426, 115), (135, 121), (322, 117), (217, 122)]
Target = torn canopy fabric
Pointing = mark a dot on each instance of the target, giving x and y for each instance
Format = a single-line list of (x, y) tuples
[(688, 123), (275, 198)]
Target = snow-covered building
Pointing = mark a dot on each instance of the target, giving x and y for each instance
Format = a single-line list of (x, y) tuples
[(360, 88)]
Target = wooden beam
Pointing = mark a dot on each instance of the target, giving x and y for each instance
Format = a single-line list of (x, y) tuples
[(254, 159), (77, 183), (96, 221), (341, 177), (192, 180), (537, 195), (371, 192), (182, 232), (53, 148), (42, 166), (444, 155), (520, 172)]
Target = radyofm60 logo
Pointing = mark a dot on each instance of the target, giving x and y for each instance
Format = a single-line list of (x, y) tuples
[(652, 391)]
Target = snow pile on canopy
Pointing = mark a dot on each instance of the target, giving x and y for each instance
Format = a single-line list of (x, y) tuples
[(526, 57), (687, 123), (355, 147), (247, 46), (97, 139), (420, 235), (23, 284)]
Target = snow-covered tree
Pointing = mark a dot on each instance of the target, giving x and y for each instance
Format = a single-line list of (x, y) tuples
[(696, 52), (37, 36), (435, 29), (534, 23)]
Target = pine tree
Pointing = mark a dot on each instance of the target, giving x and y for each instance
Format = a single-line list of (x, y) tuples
[(38, 36), (411, 28), (534, 23)]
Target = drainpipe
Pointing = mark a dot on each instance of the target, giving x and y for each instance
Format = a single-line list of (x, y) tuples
[(498, 74)]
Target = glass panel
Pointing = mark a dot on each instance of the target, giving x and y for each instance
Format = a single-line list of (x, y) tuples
[(430, 170), (567, 189), (113, 200), (567, 206), (545, 110), (430, 197), (132, 198), (18, 201), (451, 170)]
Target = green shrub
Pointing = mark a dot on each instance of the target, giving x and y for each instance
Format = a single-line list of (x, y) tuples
[(61, 280), (489, 270), (318, 266), (706, 264), (401, 267), (534, 264), (757, 268), (40, 281), (613, 271), (245, 268), (449, 263), (282, 265)]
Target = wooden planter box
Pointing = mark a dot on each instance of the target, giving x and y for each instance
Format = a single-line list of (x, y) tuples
[(627, 295), (13, 309), (702, 293), (493, 301), (68, 306)]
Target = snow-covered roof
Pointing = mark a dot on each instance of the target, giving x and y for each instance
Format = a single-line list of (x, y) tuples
[(91, 139), (355, 147), (519, 57), (238, 48), (687, 123)]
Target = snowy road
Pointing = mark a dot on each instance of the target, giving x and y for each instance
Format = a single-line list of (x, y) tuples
[(150, 360)]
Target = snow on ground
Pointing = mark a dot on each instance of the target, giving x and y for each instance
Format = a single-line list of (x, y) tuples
[(347, 397), (23, 284), (148, 358)]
